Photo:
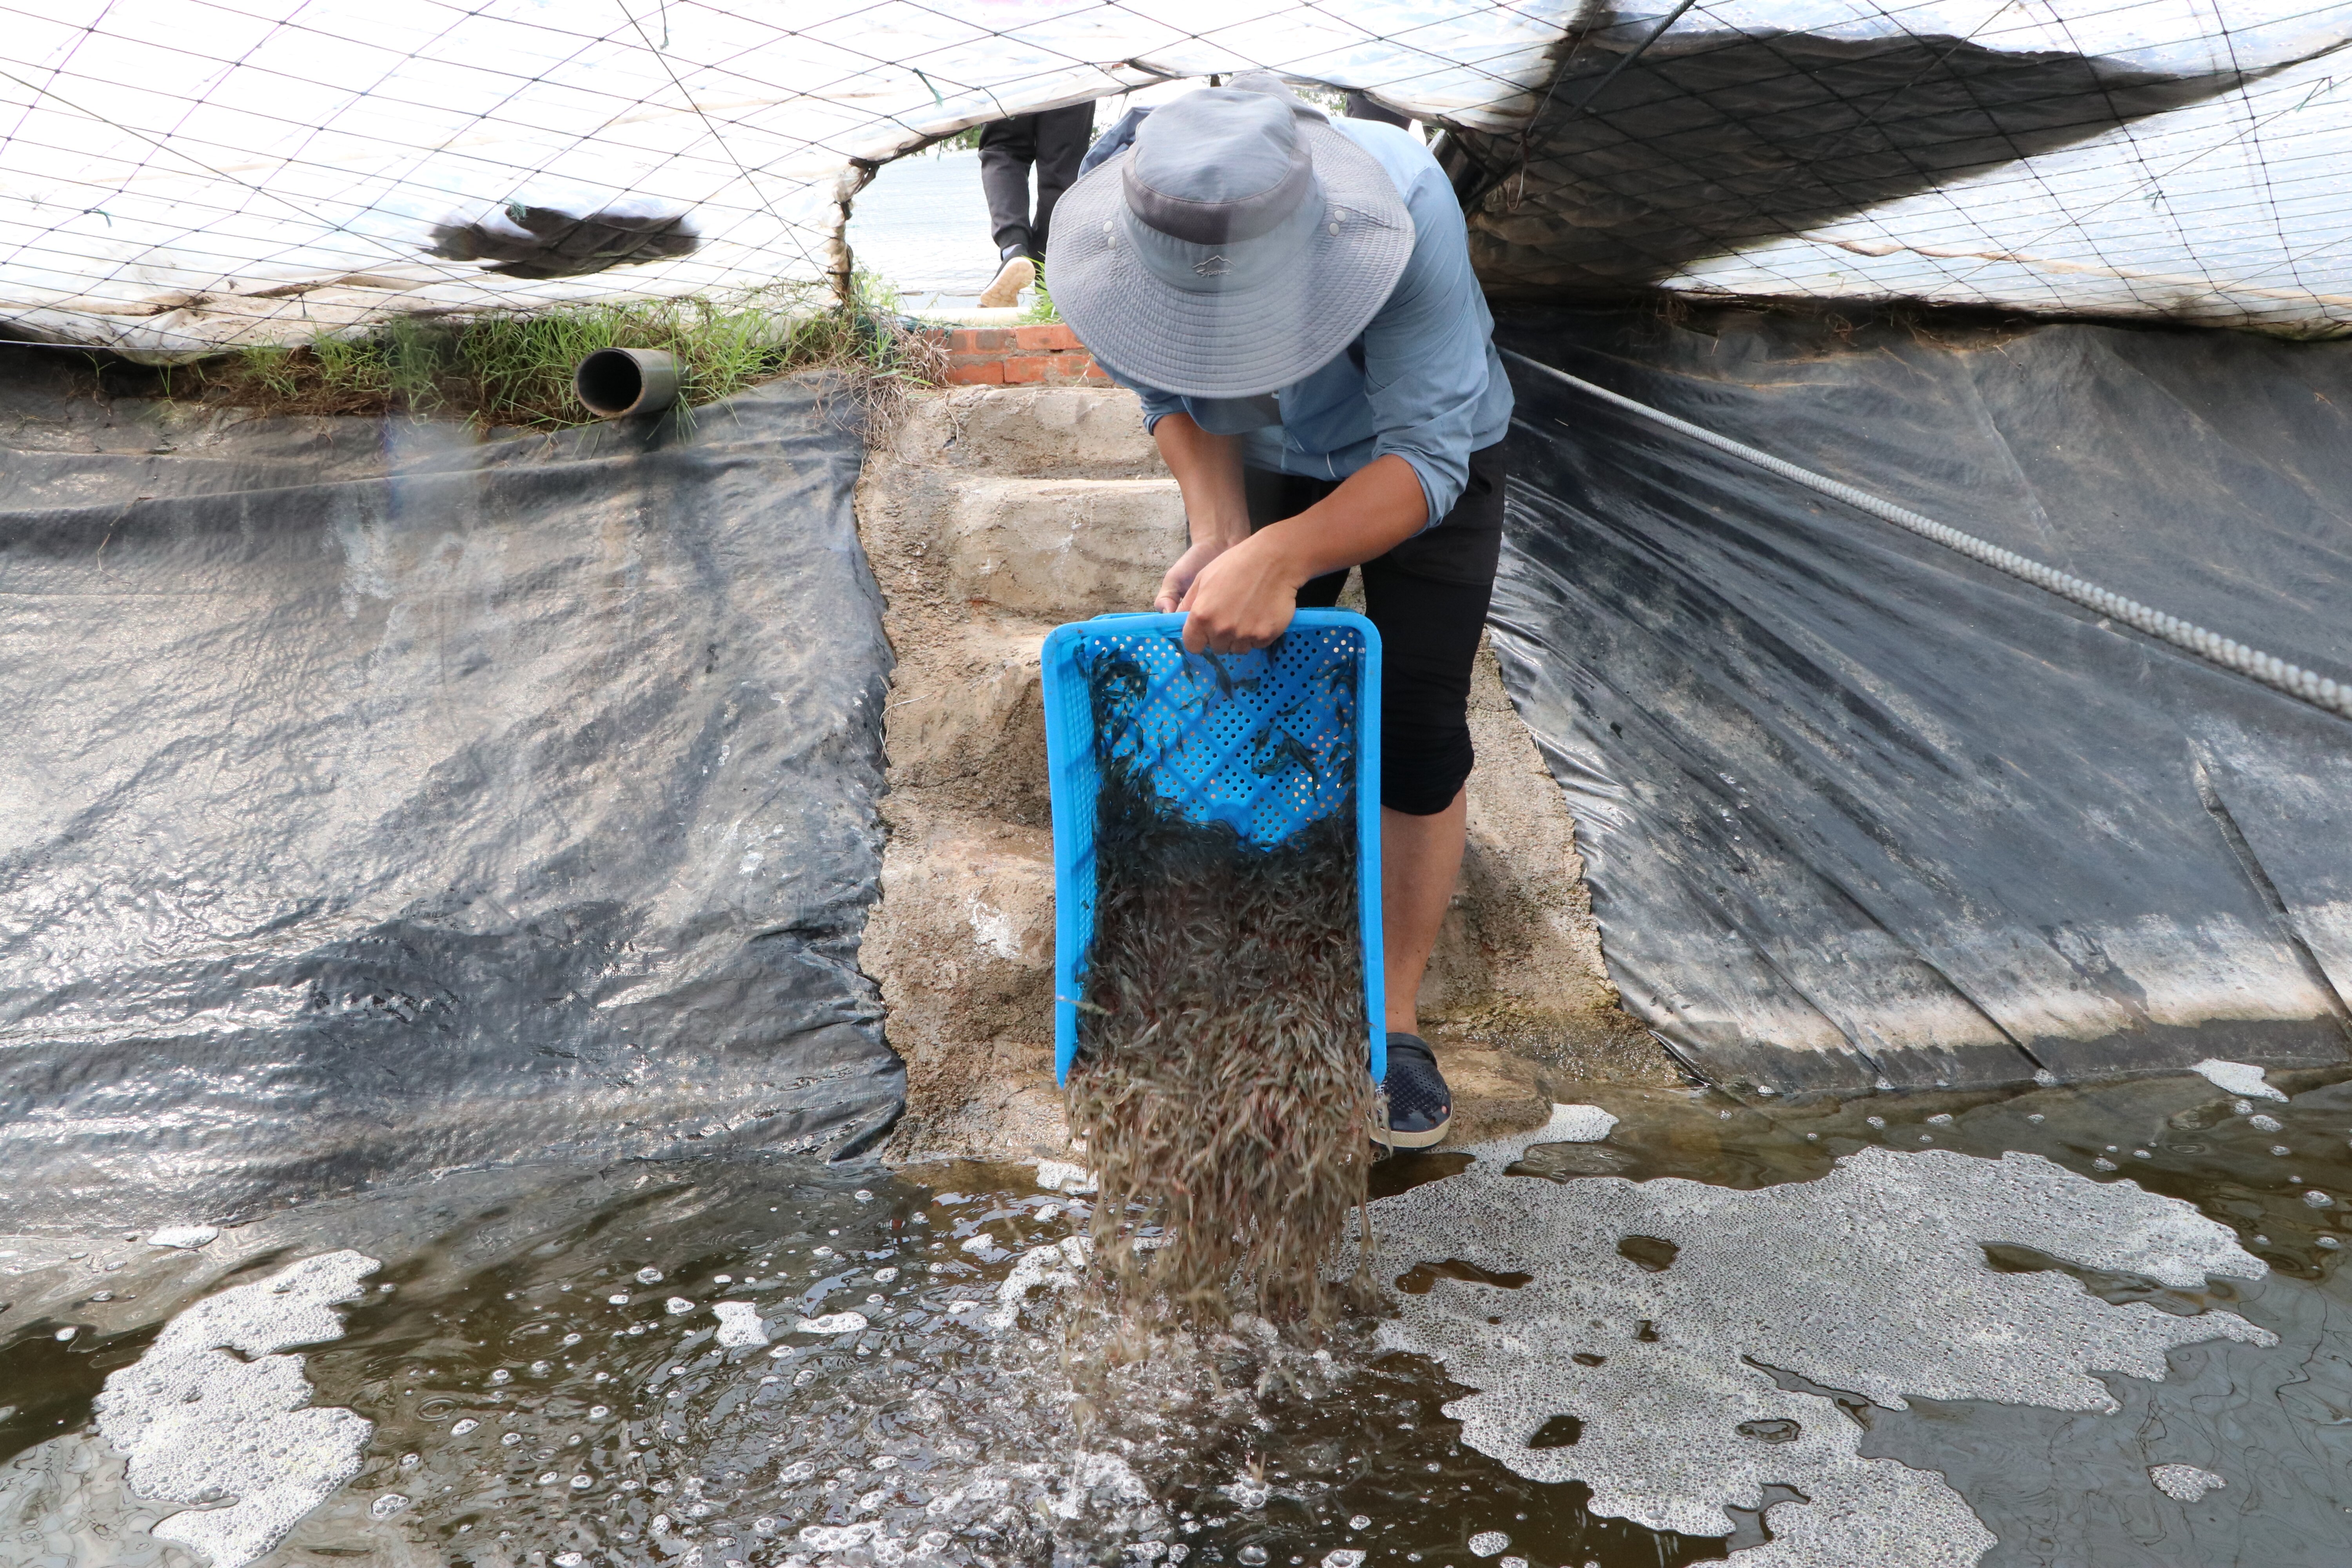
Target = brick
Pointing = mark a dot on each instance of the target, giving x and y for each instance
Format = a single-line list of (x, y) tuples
[(1028, 368), (1052, 335), (977, 372)]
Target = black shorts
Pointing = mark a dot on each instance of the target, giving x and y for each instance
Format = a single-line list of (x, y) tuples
[(1428, 596)]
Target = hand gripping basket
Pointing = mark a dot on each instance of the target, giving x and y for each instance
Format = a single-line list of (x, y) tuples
[(1267, 741)]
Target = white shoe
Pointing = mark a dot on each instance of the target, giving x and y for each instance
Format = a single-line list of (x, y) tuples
[(1015, 275)]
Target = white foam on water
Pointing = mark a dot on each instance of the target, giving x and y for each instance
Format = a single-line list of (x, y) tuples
[(1054, 1265), (839, 1537), (2184, 1483), (197, 1424), (832, 1323), (1061, 1176), (1576, 1124), (1870, 1280), (184, 1237), (1070, 1486), (1487, 1543), (738, 1324), (2236, 1078), (1097, 1480)]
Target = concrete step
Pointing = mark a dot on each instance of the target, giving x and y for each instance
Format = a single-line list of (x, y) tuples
[(967, 721), (1040, 433), (977, 896), (1062, 550), (962, 945)]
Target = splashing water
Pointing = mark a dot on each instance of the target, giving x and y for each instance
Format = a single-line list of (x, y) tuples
[(940, 1425)]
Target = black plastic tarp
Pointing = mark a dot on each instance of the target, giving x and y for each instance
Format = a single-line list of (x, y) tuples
[(375, 798), (1706, 138), (1855, 809)]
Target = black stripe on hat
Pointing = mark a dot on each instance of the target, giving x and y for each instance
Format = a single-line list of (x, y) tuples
[(1219, 223)]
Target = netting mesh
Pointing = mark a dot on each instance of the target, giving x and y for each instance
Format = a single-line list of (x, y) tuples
[(2142, 159), (184, 174)]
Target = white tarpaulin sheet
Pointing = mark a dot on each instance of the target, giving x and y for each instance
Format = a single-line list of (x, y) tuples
[(180, 174)]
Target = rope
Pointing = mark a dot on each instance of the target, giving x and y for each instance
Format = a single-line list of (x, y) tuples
[(2308, 686)]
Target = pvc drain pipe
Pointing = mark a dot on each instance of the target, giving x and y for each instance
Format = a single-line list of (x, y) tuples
[(613, 383), (2309, 686)]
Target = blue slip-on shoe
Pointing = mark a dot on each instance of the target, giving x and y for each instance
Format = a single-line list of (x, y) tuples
[(1419, 1104)]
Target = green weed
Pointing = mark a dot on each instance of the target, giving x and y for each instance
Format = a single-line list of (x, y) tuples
[(515, 370), (1041, 309)]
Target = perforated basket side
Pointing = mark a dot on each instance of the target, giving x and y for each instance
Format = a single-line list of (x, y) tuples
[(1073, 779), (1266, 742)]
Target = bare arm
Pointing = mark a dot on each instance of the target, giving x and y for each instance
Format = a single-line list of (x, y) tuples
[(1242, 594), (1208, 469)]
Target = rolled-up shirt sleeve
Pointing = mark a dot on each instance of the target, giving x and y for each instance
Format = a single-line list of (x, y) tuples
[(1426, 359), (1157, 405), (1218, 415)]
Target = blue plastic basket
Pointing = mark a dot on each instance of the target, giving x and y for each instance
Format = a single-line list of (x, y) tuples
[(1245, 738)]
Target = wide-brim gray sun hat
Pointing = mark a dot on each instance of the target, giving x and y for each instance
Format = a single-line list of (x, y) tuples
[(1239, 246)]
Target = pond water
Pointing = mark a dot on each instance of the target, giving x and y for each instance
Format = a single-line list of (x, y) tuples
[(1976, 1329)]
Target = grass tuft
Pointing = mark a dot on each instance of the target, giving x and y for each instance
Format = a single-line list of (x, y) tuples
[(1041, 309), (515, 370)]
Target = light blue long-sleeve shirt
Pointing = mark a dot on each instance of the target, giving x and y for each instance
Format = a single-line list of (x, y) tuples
[(1422, 381)]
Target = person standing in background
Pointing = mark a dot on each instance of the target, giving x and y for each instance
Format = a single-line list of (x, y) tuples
[(1052, 142)]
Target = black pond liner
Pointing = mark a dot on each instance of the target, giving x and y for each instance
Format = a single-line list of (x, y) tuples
[(376, 799), (1857, 810)]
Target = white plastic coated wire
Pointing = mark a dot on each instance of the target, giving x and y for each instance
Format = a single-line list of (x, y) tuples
[(2308, 686), (180, 178)]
